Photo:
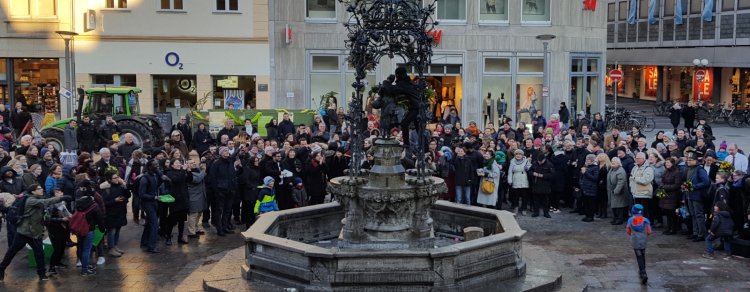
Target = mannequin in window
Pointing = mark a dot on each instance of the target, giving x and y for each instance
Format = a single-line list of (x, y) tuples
[(528, 104), (487, 108), (502, 106), (490, 6)]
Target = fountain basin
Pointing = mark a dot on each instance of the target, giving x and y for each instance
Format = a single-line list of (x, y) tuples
[(297, 248)]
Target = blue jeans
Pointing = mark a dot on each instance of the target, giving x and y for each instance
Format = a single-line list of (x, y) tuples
[(724, 239), (149, 236), (463, 195), (113, 236), (88, 244)]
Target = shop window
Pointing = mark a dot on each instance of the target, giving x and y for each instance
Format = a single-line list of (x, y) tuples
[(116, 4), (623, 15), (496, 102), (611, 12), (696, 6), (743, 4), (669, 7), (496, 65), (325, 63), (3, 68), (530, 65), (451, 10), (171, 4), (528, 97), (103, 79), (535, 11), (727, 5), (174, 91), (227, 5), (321, 9), (235, 92), (321, 84), (37, 82), (643, 9), (493, 11), (114, 80)]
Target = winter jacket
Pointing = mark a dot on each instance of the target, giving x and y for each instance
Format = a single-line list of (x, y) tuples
[(197, 191), (107, 130), (671, 182), (542, 185), (33, 216), (315, 180), (187, 135), (564, 114), (722, 224), (492, 173), (231, 133), (639, 228), (148, 187), (202, 141), (222, 177), (462, 170), (617, 188), (126, 150), (688, 113), (49, 184), (299, 195), (285, 127), (699, 178), (117, 212), (70, 138), (266, 201), (517, 173), (598, 126), (659, 170), (589, 180), (674, 117), (627, 164), (641, 181), (95, 217), (178, 188), (272, 131)]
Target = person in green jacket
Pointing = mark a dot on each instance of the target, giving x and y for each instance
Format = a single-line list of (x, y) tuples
[(31, 229), (267, 198)]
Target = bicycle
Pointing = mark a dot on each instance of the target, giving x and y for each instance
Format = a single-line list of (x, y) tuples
[(662, 108), (740, 120), (622, 119), (647, 124), (725, 113)]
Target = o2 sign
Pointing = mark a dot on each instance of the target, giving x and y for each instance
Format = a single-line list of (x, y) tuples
[(173, 60)]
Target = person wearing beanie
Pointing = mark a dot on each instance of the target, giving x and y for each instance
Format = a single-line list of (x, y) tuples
[(299, 194), (722, 153), (267, 198), (639, 228)]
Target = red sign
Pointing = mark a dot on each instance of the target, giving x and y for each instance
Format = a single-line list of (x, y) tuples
[(616, 75), (652, 80), (589, 5), (288, 34), (703, 90), (700, 74), (437, 36)]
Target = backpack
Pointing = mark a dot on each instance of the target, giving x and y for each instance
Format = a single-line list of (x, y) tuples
[(16, 211), (78, 223)]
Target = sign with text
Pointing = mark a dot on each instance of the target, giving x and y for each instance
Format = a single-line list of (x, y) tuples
[(651, 75), (703, 90)]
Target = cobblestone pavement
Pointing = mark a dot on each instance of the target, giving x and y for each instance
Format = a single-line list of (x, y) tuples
[(597, 256)]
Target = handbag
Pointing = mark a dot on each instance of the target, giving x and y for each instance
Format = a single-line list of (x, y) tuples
[(488, 186)]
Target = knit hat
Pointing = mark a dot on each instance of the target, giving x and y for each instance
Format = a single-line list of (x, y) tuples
[(723, 145), (267, 180), (537, 142), (518, 151), (550, 131), (297, 180), (710, 153), (44, 151), (222, 149), (637, 209)]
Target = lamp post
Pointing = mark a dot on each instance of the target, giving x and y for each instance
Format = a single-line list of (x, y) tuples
[(700, 65), (68, 36), (545, 38)]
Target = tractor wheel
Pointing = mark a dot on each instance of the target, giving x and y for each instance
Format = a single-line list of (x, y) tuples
[(139, 131), (55, 137)]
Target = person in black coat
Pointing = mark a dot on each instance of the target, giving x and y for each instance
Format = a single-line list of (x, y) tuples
[(315, 178), (222, 182), (249, 181), (19, 118), (560, 183), (108, 130), (626, 160), (116, 202), (202, 139), (542, 176), (184, 128), (178, 187), (564, 114), (461, 169), (675, 113), (88, 137), (688, 114), (272, 130), (588, 183), (286, 126)]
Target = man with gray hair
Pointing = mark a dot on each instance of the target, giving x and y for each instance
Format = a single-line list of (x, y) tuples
[(641, 182), (105, 162)]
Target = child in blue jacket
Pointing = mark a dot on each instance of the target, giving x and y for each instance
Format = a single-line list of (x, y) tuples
[(639, 228), (266, 198)]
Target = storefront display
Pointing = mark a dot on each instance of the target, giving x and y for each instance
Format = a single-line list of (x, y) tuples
[(37, 82), (235, 92), (705, 88), (174, 91)]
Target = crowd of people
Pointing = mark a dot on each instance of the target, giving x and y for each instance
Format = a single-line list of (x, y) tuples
[(199, 182)]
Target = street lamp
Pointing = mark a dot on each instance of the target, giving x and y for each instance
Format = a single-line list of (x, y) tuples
[(545, 38), (700, 64), (69, 74)]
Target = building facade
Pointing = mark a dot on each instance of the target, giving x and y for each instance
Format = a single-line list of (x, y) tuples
[(181, 54), (488, 50), (32, 66), (656, 41)]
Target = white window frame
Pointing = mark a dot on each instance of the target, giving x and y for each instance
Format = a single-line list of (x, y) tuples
[(502, 22), (322, 20), (115, 5), (171, 6), (537, 22), (226, 4), (33, 6), (451, 21)]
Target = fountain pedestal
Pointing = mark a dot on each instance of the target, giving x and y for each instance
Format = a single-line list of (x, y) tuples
[(388, 205)]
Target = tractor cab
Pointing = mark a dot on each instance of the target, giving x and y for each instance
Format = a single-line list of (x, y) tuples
[(115, 101)]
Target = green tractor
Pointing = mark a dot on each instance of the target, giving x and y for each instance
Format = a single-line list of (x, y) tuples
[(119, 101)]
